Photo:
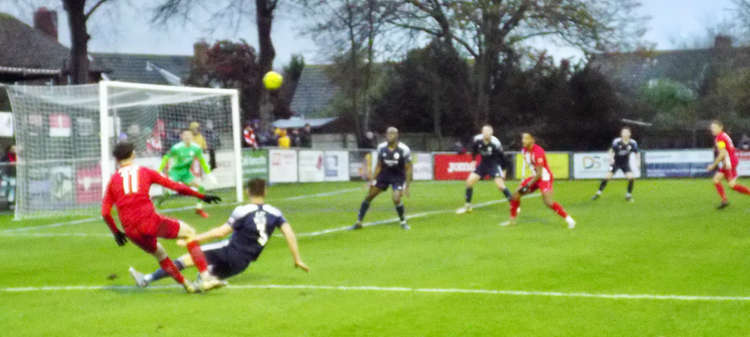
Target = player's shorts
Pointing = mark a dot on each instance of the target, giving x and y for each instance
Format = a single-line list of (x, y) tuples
[(145, 232), (384, 180), (620, 165), (181, 175), (489, 169), (543, 186), (222, 262), (729, 175)]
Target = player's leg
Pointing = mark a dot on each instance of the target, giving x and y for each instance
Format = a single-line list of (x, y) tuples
[(398, 202), (604, 182), (169, 267), (547, 198), (143, 281), (631, 183), (175, 175), (500, 183), (515, 201), (471, 180), (371, 194), (720, 190), (189, 179), (731, 176), (187, 233), (215, 256)]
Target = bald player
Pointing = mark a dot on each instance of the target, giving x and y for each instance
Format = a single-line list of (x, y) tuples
[(394, 169)]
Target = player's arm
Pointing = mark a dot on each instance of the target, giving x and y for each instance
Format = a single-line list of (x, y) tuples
[(538, 170), (474, 153), (722, 155), (165, 160), (503, 161), (378, 168), (291, 241), (409, 176), (213, 234), (120, 237), (183, 189), (202, 161)]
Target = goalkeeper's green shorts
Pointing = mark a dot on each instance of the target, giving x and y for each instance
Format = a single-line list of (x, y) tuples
[(182, 176)]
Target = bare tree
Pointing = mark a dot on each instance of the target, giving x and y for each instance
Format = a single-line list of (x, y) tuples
[(491, 30), (232, 12), (78, 15), (352, 28), (79, 12), (742, 10)]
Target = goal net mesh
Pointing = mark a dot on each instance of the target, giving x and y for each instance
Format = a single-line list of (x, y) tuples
[(59, 139)]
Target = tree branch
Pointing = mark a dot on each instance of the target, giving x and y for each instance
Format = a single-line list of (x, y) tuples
[(94, 8)]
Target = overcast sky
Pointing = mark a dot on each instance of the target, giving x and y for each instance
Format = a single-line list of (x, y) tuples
[(672, 22)]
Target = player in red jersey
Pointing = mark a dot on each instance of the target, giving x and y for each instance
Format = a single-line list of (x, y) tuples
[(541, 179), (726, 162), (128, 189)]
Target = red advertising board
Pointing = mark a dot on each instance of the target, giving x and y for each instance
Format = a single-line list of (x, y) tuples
[(453, 166)]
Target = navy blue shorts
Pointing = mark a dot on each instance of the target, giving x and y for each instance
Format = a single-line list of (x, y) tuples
[(489, 169), (623, 165), (383, 181), (222, 262)]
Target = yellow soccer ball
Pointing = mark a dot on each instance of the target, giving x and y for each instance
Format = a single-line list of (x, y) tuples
[(273, 80)]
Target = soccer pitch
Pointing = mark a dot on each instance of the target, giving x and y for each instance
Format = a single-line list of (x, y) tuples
[(666, 265)]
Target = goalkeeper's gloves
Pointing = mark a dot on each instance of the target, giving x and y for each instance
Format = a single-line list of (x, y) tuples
[(211, 199), (211, 179), (120, 238)]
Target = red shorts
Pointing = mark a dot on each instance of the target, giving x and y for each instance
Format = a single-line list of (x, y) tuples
[(145, 231), (543, 186), (729, 175)]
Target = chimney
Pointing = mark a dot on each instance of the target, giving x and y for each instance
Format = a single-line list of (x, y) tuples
[(723, 42), (45, 21)]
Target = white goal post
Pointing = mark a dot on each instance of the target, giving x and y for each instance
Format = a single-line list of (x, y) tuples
[(62, 157)]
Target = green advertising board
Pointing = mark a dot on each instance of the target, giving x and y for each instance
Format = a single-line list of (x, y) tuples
[(254, 164)]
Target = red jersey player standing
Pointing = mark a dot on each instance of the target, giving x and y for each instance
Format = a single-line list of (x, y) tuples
[(726, 162), (541, 179), (128, 189)]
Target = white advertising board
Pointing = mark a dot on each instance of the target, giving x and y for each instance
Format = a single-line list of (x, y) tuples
[(596, 165), (282, 166), (311, 167)]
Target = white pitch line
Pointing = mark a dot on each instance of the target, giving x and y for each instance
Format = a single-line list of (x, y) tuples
[(178, 209), (408, 217), (657, 297), (308, 234)]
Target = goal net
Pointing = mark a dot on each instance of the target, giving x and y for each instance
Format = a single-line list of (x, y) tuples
[(65, 135)]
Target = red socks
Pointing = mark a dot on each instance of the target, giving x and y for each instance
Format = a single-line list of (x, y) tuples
[(197, 254), (168, 266), (720, 189), (514, 204), (559, 210), (741, 189)]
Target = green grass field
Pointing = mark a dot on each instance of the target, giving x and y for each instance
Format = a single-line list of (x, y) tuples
[(671, 241)]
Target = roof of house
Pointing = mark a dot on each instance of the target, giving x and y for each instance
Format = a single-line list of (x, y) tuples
[(314, 92), (144, 68), (689, 66), (27, 50)]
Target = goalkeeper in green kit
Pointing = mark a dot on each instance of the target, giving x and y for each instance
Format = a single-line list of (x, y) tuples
[(183, 155)]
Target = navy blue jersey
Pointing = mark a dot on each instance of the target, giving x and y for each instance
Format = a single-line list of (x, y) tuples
[(393, 162), (623, 150), (491, 152), (253, 225)]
